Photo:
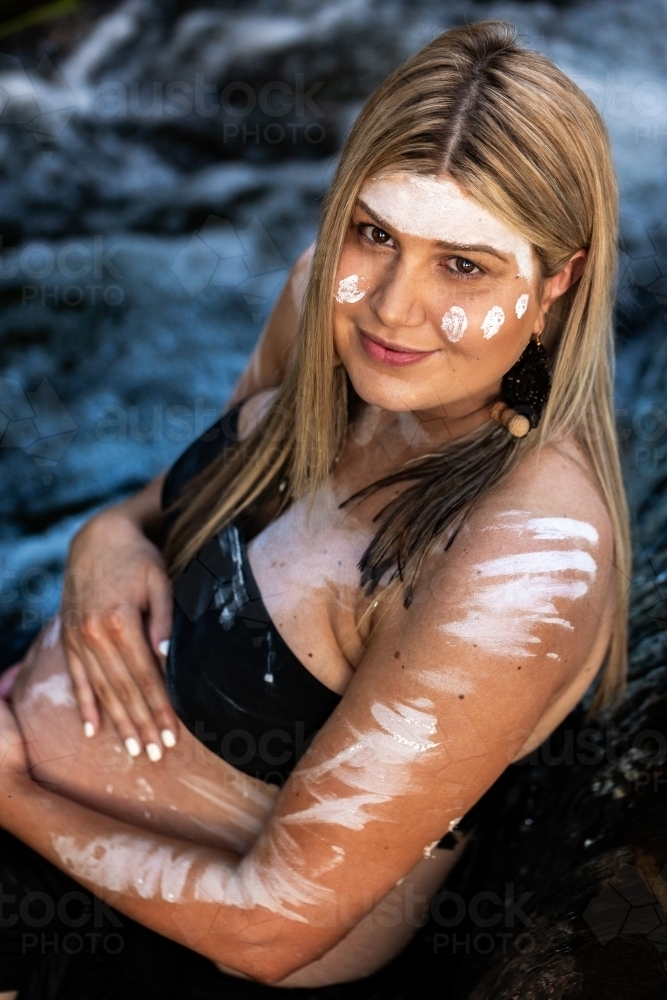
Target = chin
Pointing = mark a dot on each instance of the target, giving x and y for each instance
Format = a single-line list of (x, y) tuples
[(387, 391)]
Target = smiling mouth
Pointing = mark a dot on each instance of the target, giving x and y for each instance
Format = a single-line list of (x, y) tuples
[(386, 355)]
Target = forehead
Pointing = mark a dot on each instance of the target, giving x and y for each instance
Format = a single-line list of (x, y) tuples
[(437, 208)]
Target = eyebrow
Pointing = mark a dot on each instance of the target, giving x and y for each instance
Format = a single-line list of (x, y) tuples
[(474, 247)]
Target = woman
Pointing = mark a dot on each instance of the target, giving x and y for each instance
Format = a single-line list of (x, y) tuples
[(336, 724)]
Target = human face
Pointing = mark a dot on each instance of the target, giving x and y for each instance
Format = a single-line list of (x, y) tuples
[(435, 297)]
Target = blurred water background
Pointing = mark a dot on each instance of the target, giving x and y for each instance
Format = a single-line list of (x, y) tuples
[(161, 167)]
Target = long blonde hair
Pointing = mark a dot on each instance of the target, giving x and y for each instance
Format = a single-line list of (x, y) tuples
[(523, 140)]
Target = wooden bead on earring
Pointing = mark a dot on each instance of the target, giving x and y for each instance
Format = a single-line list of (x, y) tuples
[(516, 423)]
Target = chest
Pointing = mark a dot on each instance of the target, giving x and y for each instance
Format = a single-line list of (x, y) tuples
[(306, 567)]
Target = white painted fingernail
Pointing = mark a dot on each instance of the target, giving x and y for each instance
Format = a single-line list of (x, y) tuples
[(153, 751), (132, 746), (163, 647), (88, 729), (168, 738)]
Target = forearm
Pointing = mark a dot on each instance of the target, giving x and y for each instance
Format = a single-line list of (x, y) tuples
[(161, 882), (144, 508)]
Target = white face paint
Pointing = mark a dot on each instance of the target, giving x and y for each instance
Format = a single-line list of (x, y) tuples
[(348, 289), (438, 209), (521, 305), (492, 322), (454, 323), (376, 766), (520, 595)]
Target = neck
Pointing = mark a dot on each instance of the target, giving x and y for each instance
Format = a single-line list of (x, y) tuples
[(432, 427)]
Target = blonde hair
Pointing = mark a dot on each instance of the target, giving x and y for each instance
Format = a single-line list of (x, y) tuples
[(523, 140)]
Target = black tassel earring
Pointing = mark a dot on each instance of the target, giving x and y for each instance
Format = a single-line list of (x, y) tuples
[(524, 391)]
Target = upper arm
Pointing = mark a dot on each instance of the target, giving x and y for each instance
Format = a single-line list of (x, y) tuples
[(500, 626)]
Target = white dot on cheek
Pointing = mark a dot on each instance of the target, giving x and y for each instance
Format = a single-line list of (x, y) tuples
[(521, 305), (493, 321), (454, 323), (348, 289)]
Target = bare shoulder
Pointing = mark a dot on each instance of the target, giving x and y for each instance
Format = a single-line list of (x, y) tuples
[(253, 410), (522, 598), (545, 527), (555, 482)]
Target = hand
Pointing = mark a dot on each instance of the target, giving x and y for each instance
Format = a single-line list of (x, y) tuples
[(13, 759), (116, 612)]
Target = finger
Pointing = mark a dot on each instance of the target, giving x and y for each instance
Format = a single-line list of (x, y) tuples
[(159, 611), (96, 666), (112, 654), (85, 696), (134, 650)]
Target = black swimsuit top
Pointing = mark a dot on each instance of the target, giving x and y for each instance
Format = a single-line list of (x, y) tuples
[(231, 677)]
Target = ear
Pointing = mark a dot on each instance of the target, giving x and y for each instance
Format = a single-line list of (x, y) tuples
[(555, 286)]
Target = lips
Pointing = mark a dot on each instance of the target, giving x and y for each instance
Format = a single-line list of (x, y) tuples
[(386, 355)]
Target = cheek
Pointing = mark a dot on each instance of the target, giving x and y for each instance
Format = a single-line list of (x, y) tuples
[(350, 285), (473, 318)]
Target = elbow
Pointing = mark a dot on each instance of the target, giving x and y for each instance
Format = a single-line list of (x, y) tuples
[(269, 976), (273, 965), (269, 963)]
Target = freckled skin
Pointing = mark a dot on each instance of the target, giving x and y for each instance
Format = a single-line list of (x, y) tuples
[(318, 606)]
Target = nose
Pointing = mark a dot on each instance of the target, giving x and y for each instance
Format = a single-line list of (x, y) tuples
[(396, 302)]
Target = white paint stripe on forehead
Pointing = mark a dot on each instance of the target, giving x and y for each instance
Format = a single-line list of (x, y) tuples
[(438, 209)]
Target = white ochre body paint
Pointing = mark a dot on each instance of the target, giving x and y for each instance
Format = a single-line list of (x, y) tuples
[(517, 593), (438, 209), (521, 305), (348, 289), (556, 528), (56, 689), (137, 864), (492, 322), (375, 767), (454, 323)]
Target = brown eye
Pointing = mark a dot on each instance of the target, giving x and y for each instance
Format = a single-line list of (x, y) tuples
[(379, 235), (464, 266)]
